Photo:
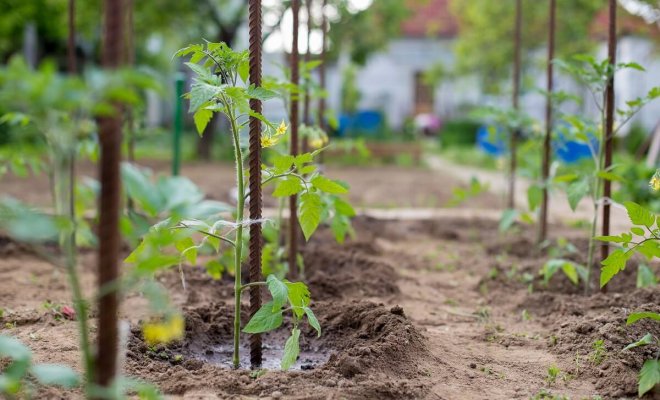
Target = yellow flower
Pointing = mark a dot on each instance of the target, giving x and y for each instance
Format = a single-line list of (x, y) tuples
[(269, 141), (655, 181), (281, 130), (163, 331)]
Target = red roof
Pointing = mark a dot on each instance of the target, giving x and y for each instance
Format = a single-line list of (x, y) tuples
[(433, 18), (626, 25), (430, 18)]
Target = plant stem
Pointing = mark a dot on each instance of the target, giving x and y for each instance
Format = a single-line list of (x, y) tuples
[(594, 221), (65, 200), (238, 156)]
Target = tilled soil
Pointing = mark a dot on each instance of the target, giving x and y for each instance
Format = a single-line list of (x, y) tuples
[(443, 309)]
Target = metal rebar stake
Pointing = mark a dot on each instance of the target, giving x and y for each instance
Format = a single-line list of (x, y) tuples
[(609, 126), (547, 141), (307, 119), (511, 203), (109, 238), (293, 200), (255, 177)]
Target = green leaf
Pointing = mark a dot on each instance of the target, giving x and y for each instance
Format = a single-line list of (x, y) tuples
[(278, 290), (649, 376), (576, 191), (639, 215), (344, 208), (327, 185), (55, 375), (645, 276), (637, 231), (311, 318), (215, 269), (624, 238), (244, 70), (202, 118), (288, 187), (645, 341), (534, 197), (187, 248), (14, 349), (266, 319), (282, 163), (260, 93), (299, 297), (609, 176), (571, 272), (309, 213), (507, 220), (201, 93), (612, 265), (291, 350), (634, 317)]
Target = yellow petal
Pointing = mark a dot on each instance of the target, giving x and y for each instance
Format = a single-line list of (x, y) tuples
[(164, 331), (281, 130), (655, 181)]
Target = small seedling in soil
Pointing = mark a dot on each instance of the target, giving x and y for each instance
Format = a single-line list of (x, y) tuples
[(599, 352), (553, 374), (526, 316)]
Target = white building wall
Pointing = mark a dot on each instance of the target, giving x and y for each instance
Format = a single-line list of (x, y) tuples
[(387, 82)]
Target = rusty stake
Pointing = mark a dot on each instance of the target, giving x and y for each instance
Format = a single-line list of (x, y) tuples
[(293, 200), (609, 126), (516, 93), (308, 55), (545, 169), (255, 176), (109, 239)]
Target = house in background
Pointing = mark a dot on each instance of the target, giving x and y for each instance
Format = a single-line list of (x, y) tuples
[(392, 80)]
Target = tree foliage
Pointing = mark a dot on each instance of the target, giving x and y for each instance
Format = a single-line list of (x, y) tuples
[(485, 41)]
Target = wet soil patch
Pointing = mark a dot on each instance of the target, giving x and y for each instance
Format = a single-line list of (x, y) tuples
[(372, 351)]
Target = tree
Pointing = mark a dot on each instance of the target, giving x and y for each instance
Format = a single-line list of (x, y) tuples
[(368, 30), (485, 41)]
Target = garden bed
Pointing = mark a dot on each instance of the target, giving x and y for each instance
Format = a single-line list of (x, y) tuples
[(409, 309)]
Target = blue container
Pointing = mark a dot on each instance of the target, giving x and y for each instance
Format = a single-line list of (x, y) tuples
[(362, 123), (491, 143), (571, 151)]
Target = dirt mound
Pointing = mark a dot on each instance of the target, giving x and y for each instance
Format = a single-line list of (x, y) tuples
[(374, 352), (355, 269), (583, 321)]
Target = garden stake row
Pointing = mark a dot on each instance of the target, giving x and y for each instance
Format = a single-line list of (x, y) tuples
[(255, 177), (293, 200), (516, 91), (545, 172), (71, 39), (609, 127), (70, 247), (109, 239), (177, 126), (129, 54), (324, 38), (308, 56)]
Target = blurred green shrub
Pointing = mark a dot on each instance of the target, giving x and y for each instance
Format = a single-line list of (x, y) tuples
[(458, 132)]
